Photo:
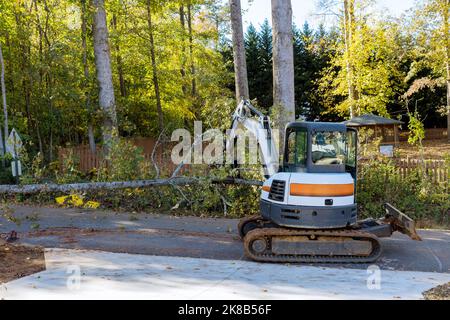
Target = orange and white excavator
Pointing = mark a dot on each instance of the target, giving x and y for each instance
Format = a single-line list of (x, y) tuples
[(308, 210)]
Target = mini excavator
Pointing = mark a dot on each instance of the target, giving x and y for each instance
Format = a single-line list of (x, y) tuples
[(308, 211)]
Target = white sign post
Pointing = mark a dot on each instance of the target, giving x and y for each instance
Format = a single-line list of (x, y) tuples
[(14, 146), (387, 150)]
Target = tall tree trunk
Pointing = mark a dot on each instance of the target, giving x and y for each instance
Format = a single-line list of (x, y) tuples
[(154, 68), (349, 24), (11, 79), (29, 85), (87, 88), (240, 65), (50, 146), (26, 79), (447, 59), (2, 148), (191, 51), (183, 51), (2, 81), (39, 137), (104, 76), (5, 108), (283, 64), (48, 76)]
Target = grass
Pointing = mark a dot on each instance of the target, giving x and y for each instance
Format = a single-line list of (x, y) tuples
[(433, 149)]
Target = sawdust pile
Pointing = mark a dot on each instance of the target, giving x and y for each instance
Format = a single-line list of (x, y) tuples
[(441, 292)]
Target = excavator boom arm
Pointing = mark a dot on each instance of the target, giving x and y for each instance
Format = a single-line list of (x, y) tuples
[(247, 117)]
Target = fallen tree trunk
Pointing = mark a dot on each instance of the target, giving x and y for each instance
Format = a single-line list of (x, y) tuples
[(91, 186)]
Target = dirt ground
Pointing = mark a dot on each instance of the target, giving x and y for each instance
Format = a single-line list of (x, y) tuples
[(18, 261), (433, 149), (441, 292)]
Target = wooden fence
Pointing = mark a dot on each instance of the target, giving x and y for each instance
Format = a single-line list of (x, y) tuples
[(90, 160), (87, 159), (436, 170)]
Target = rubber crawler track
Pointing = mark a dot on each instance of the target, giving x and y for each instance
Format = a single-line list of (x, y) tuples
[(269, 256)]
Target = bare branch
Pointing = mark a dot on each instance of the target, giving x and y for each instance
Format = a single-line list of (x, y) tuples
[(197, 140), (153, 153)]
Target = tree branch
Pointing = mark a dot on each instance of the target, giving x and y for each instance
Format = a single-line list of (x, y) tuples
[(153, 153), (91, 186)]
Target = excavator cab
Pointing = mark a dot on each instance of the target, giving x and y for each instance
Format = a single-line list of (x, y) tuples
[(318, 147)]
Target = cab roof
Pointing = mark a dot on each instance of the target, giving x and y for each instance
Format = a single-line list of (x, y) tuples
[(318, 126)]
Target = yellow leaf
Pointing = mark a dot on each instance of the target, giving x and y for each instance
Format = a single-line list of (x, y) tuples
[(61, 200), (77, 201), (92, 204)]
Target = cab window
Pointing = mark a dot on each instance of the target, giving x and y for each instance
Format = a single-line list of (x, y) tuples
[(297, 148), (351, 149), (328, 147)]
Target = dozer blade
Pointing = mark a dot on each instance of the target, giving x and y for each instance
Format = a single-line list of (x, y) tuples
[(400, 222)]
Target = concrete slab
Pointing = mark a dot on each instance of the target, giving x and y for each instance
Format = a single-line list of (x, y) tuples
[(105, 275)]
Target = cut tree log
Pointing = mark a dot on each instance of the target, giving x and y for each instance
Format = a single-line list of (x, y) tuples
[(240, 64), (283, 66), (92, 186), (106, 98)]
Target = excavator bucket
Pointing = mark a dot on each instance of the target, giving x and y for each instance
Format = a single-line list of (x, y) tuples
[(400, 222)]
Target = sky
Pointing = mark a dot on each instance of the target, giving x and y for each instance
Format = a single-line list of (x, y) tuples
[(255, 11)]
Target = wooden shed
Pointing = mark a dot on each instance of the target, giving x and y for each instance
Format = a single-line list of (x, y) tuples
[(386, 128)]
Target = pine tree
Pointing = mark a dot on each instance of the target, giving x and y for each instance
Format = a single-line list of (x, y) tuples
[(308, 64), (265, 56), (323, 47), (305, 69), (253, 62)]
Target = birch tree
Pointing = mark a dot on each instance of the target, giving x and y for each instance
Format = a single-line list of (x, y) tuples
[(240, 65), (446, 31), (183, 50), (359, 77), (444, 11), (87, 77), (445, 16), (104, 75), (154, 66), (432, 24), (5, 108), (283, 64), (191, 50), (348, 28)]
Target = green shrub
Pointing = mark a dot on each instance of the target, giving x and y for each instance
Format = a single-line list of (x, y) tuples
[(33, 171), (416, 195), (6, 175), (68, 170), (125, 162)]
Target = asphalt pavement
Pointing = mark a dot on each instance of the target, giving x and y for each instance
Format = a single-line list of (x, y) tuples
[(195, 237)]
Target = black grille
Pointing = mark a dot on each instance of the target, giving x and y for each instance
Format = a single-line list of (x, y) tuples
[(277, 190)]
